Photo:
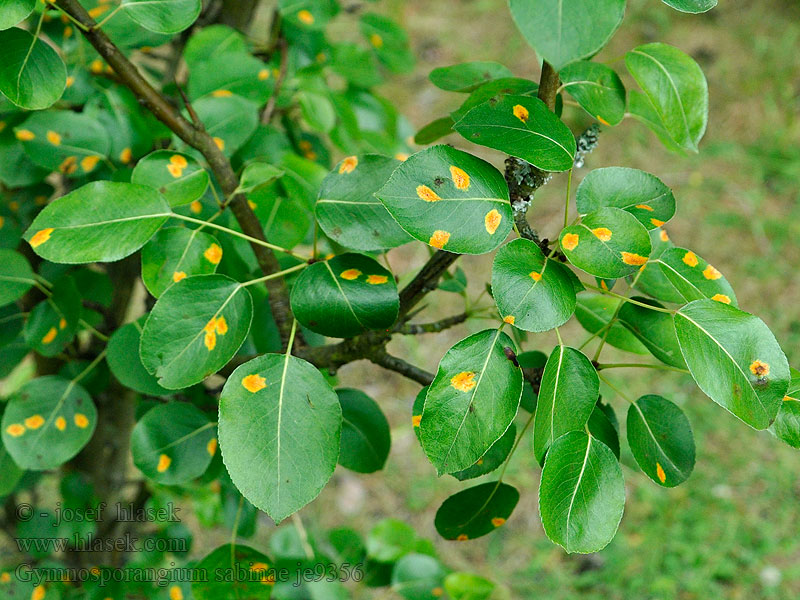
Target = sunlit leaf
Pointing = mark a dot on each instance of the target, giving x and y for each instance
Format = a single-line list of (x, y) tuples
[(163, 16), (597, 88), (465, 77), (178, 177), (32, 74), (175, 253)]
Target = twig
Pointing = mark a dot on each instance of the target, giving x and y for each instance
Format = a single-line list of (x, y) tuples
[(435, 327), (393, 363)]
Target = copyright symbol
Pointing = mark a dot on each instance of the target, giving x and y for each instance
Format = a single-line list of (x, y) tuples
[(24, 513)]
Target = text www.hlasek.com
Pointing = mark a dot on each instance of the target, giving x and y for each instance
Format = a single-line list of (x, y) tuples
[(89, 543)]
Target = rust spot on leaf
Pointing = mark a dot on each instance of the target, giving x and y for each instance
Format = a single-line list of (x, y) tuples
[(463, 381), (253, 383), (630, 258), (492, 221), (460, 178), (164, 462), (570, 241), (690, 258), (439, 238), (348, 165), (427, 194)]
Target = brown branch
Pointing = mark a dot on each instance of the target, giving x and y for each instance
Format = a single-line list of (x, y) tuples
[(548, 85), (269, 109), (398, 365), (157, 104), (435, 327)]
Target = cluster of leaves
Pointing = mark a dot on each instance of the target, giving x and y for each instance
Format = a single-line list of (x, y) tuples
[(96, 178)]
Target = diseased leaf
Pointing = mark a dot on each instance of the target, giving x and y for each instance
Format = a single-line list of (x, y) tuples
[(32, 74), (231, 72), (389, 42), (476, 511), (279, 431), (465, 77), (53, 322), (734, 358), (254, 572), (229, 120), (693, 278), (582, 493), (449, 199), (178, 177), (495, 90), (787, 424), (418, 577), (494, 457), (471, 402), (175, 253), (597, 88)]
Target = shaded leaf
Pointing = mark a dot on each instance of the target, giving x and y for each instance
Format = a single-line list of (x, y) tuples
[(236, 572), (126, 365), (476, 511), (594, 311), (175, 253), (52, 323), (16, 276), (655, 329), (32, 74), (597, 88), (693, 278), (178, 177), (366, 439), (465, 77), (787, 424), (494, 457), (163, 16)]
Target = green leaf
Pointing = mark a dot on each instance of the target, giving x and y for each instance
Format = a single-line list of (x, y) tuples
[(229, 120), (236, 572), (257, 175), (195, 328), (640, 108), (787, 424), (567, 396), (47, 422), (173, 443), (734, 358), (126, 365), (494, 457), (163, 16), (178, 177), (53, 322), (32, 74), (468, 586), (232, 72), (366, 438), (450, 200), (390, 540), (651, 279), (531, 292), (661, 440), (597, 88), (279, 431), (418, 577), (16, 276), (522, 126), (12, 474), (175, 253), (317, 110), (582, 493), (691, 6), (601, 427), (563, 31), (693, 278), (434, 130), (676, 88), (639, 193), (655, 329), (71, 143), (495, 90), (308, 14), (608, 242), (416, 409), (344, 296), (471, 402), (15, 11), (476, 511), (102, 221), (389, 42), (347, 209), (594, 311), (212, 41), (466, 77)]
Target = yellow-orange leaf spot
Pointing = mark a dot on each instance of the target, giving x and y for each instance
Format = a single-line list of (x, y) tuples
[(463, 381), (34, 422), (25, 135), (348, 165), (253, 383), (645, 207), (304, 145), (81, 420), (196, 207), (221, 93), (603, 285), (38, 593), (570, 241), (663, 235), (602, 233), (656, 222), (96, 66), (53, 138), (462, 537), (427, 194), (211, 448), (498, 521), (221, 326), (15, 430), (174, 170), (759, 368), (630, 258), (69, 165), (603, 121), (376, 40), (492, 221), (220, 143), (70, 81), (521, 113), (377, 279), (789, 399), (89, 163), (439, 238), (5, 578), (175, 593), (690, 258), (252, 205), (50, 335), (350, 274), (306, 17), (711, 273), (437, 592), (721, 298), (213, 254), (164, 462), (460, 178), (480, 462), (178, 275), (509, 319), (62, 323), (401, 156), (535, 276), (98, 10), (126, 155), (179, 161), (662, 477), (263, 74), (61, 423), (13, 205), (416, 420)]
